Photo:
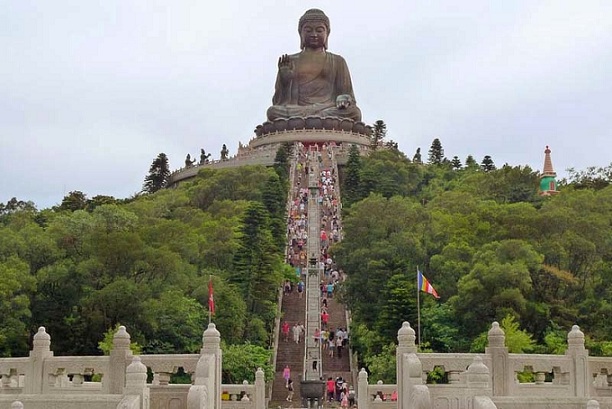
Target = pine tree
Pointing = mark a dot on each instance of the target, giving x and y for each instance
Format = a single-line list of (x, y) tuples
[(378, 134), (470, 163), (281, 161), (436, 153), (487, 164), (158, 174), (456, 163), (351, 191)]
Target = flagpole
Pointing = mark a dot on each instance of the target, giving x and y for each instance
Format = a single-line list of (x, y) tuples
[(209, 311), (418, 306)]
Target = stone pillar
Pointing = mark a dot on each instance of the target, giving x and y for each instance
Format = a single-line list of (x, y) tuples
[(415, 394), (363, 399), (500, 370), (580, 367), (260, 389), (113, 382), (405, 345), (206, 389), (35, 380), (136, 381)]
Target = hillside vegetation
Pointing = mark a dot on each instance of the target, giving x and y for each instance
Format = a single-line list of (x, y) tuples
[(490, 245)]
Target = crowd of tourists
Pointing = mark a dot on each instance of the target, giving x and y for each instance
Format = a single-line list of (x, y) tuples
[(333, 341)]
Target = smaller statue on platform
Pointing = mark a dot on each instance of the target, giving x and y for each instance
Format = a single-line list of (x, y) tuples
[(188, 162), (224, 152), (204, 156)]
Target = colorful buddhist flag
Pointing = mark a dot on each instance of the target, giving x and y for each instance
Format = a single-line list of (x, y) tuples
[(211, 299), (425, 286)]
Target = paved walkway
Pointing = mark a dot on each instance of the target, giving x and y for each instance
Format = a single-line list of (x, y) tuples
[(307, 217)]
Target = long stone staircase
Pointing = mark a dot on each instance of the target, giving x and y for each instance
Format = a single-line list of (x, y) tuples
[(308, 360)]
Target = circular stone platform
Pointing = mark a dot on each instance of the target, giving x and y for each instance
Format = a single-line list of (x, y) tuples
[(310, 136)]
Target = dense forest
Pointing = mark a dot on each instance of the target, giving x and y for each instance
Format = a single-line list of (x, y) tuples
[(491, 246), (84, 267)]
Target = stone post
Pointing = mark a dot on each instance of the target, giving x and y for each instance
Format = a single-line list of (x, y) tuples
[(500, 370), (580, 368), (18, 405), (405, 345), (136, 382), (35, 380), (592, 404), (113, 382), (363, 399), (260, 389), (206, 389)]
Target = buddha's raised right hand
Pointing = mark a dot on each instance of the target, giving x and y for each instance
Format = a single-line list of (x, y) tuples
[(285, 67)]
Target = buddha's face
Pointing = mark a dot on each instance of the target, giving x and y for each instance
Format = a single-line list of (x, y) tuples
[(314, 35)]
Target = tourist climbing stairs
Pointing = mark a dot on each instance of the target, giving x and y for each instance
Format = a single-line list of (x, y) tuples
[(306, 219)]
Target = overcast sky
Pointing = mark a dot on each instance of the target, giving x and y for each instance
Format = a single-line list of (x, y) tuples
[(91, 91)]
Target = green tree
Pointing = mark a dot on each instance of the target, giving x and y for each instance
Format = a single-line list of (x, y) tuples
[(158, 176), (498, 284), (487, 164), (16, 287), (351, 189), (240, 362), (518, 341), (456, 163), (281, 161), (73, 201), (379, 132), (436, 153), (471, 164), (256, 271)]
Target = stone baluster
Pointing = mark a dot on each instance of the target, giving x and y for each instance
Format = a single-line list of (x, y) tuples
[(120, 356), (260, 389), (136, 381), (540, 377), (35, 379), (500, 368), (77, 380), (454, 377), (161, 378), (579, 355), (363, 400)]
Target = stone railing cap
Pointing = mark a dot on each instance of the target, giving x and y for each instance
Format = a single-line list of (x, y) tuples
[(42, 335), (136, 366)]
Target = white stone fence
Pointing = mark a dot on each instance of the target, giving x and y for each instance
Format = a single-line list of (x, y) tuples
[(43, 381), (490, 380)]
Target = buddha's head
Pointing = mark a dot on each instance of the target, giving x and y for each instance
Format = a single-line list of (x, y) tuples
[(314, 29)]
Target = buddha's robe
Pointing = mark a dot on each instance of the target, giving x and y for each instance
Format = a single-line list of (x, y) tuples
[(313, 88)]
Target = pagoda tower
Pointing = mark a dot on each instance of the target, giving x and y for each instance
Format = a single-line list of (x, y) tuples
[(548, 182)]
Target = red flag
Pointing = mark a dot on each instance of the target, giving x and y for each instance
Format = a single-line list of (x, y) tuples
[(211, 300)]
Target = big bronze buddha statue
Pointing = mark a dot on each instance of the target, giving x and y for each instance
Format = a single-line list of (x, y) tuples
[(313, 82)]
